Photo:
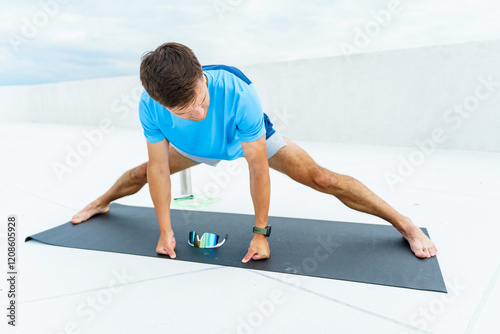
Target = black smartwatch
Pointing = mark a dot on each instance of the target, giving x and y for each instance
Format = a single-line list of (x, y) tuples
[(265, 231)]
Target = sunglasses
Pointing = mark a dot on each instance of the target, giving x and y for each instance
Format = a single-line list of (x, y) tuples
[(207, 240)]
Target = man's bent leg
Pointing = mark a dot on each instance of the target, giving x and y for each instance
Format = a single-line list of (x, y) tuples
[(129, 183), (293, 161)]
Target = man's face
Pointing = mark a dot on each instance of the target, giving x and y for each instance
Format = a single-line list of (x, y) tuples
[(196, 111)]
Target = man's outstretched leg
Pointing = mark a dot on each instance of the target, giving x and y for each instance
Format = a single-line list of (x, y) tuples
[(129, 183), (293, 161)]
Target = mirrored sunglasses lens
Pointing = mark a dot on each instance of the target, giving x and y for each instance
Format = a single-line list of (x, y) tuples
[(208, 240), (192, 237)]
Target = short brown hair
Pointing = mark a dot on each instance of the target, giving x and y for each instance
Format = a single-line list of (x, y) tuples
[(170, 74)]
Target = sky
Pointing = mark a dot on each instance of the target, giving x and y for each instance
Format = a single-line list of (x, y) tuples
[(63, 40)]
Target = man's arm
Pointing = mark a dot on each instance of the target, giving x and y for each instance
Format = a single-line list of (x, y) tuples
[(260, 189), (159, 188)]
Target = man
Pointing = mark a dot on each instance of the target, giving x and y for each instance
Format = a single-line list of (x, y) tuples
[(193, 114)]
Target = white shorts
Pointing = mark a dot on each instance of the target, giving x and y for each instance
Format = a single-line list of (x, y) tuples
[(273, 144)]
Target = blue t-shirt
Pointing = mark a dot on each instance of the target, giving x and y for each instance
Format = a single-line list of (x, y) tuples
[(234, 115)]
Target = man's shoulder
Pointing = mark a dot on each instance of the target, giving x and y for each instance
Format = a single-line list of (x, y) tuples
[(145, 98), (228, 70), (149, 106), (147, 101)]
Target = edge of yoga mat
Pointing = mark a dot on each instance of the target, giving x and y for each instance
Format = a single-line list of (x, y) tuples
[(364, 270)]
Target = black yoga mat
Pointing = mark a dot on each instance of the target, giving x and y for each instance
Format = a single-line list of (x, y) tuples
[(357, 252)]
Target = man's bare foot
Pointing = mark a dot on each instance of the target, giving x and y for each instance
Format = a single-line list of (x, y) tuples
[(420, 244), (89, 211)]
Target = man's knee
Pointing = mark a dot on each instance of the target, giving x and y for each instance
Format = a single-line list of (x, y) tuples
[(325, 180), (140, 173)]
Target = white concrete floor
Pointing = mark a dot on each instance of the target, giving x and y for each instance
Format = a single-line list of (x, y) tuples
[(455, 194)]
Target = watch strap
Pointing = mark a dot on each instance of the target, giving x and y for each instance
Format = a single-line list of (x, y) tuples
[(265, 231)]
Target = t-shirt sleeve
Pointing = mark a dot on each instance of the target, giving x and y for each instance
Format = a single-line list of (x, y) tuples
[(249, 116), (152, 132)]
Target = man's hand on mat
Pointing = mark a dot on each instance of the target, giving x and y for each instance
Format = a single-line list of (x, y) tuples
[(166, 244), (258, 250)]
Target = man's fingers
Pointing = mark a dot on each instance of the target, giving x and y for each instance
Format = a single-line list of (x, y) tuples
[(165, 251), (172, 254), (254, 255), (162, 250), (259, 257), (166, 245), (248, 256)]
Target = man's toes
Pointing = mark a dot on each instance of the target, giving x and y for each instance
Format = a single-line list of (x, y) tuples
[(78, 218), (433, 251), (420, 253)]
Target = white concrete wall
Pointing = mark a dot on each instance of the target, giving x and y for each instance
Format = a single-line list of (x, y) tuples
[(393, 98), (85, 102), (387, 98)]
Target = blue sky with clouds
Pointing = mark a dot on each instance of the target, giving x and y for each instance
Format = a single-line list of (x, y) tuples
[(59, 40)]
